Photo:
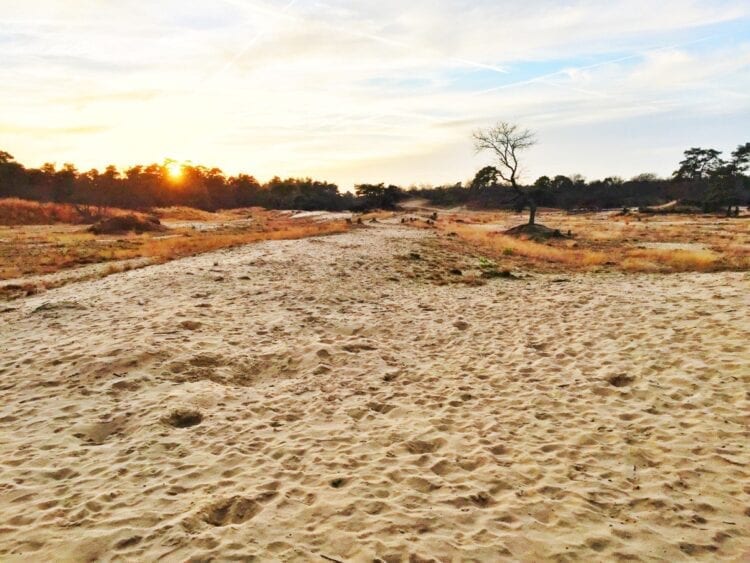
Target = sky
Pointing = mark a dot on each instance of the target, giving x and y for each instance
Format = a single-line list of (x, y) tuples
[(389, 91)]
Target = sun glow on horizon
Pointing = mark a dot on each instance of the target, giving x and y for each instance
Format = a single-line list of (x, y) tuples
[(175, 171)]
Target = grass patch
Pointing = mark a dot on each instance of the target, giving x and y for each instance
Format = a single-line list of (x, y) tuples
[(179, 213), (654, 243), (38, 250), (648, 260), (123, 224), (15, 211), (508, 246), (170, 248)]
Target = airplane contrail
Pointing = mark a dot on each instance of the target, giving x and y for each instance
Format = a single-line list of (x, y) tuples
[(371, 36)]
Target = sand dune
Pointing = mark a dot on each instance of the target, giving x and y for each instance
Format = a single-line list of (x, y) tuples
[(309, 400)]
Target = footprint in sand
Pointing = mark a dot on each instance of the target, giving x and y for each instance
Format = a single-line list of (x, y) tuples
[(423, 447), (234, 510), (96, 434)]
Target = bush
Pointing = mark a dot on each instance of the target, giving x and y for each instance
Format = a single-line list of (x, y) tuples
[(126, 224)]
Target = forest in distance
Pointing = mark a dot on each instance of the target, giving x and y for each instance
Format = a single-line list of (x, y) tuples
[(703, 182)]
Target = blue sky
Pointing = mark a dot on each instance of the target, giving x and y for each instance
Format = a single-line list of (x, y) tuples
[(354, 91)]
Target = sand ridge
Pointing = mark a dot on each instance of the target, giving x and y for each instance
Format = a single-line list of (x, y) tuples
[(301, 400)]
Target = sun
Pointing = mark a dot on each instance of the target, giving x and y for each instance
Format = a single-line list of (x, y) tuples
[(174, 170)]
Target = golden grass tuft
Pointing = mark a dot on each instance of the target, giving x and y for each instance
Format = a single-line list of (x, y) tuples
[(654, 260), (534, 251), (180, 213), (15, 211), (664, 243)]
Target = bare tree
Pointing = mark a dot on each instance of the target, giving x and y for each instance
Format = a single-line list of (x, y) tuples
[(506, 140)]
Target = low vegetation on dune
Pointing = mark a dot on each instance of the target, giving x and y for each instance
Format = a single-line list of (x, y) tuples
[(16, 211), (37, 250), (656, 260), (130, 223), (602, 241), (535, 252), (169, 248), (180, 213)]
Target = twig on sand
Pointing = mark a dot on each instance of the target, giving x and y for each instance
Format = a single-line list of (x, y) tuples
[(330, 559)]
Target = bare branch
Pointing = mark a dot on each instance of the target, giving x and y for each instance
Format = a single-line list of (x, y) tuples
[(505, 140)]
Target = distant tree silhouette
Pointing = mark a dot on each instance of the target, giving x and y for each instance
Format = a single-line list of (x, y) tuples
[(724, 188), (698, 164), (741, 157), (300, 193), (483, 181), (726, 180), (14, 178), (245, 189), (645, 177), (378, 195), (543, 182), (704, 179), (450, 196), (562, 183), (63, 183)]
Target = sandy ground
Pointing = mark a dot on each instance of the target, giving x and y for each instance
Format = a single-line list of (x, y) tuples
[(309, 401), (68, 275)]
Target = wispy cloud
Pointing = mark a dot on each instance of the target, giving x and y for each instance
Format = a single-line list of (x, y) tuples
[(373, 91), (10, 128)]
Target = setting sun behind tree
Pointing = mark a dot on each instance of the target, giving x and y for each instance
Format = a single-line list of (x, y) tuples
[(175, 170)]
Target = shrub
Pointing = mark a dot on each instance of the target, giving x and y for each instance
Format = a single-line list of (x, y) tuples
[(126, 224)]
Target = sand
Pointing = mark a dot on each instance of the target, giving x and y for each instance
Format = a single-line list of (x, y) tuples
[(308, 401)]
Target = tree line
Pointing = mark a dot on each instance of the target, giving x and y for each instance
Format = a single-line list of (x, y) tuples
[(155, 185), (703, 180)]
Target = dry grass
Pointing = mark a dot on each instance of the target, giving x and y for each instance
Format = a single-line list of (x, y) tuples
[(168, 248), (652, 260), (38, 250), (14, 211), (530, 250), (179, 213), (663, 243)]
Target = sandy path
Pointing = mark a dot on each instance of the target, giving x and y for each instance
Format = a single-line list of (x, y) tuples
[(353, 413)]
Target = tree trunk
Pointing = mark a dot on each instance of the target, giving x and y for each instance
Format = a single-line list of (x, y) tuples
[(532, 211)]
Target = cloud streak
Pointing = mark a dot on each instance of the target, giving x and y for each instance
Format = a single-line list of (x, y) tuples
[(310, 87)]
